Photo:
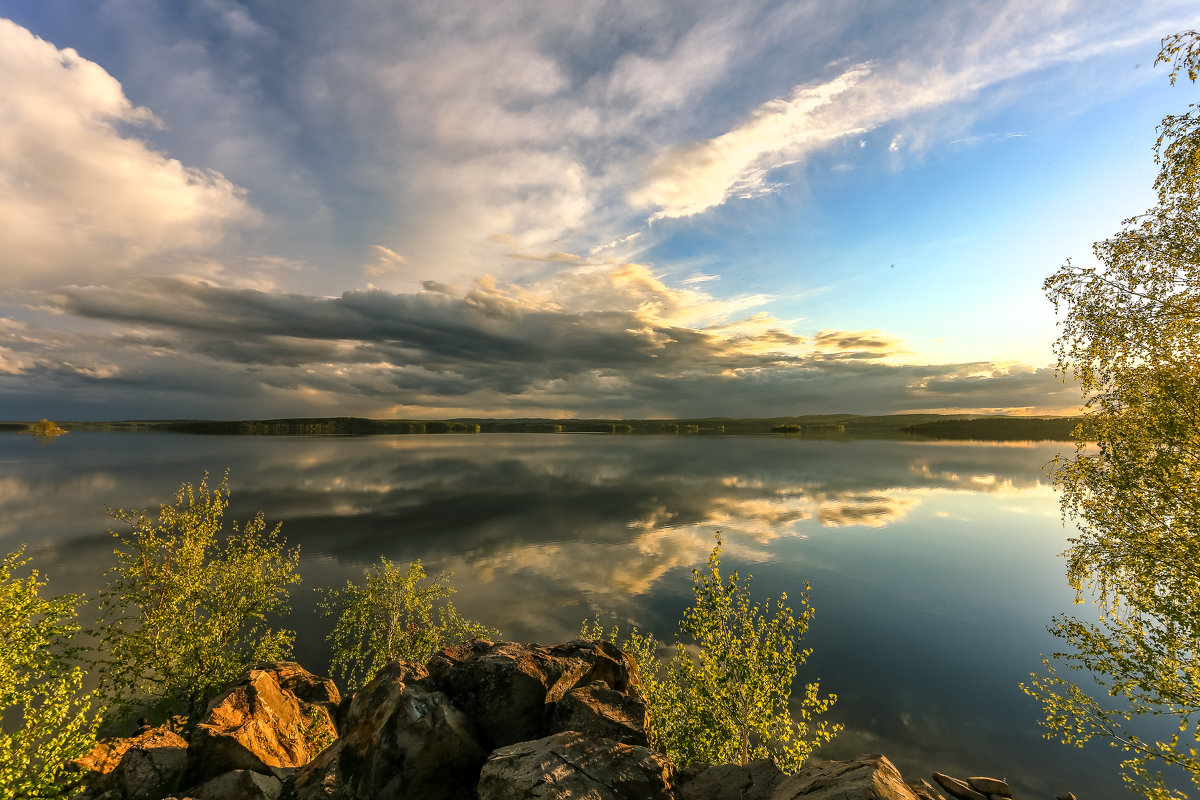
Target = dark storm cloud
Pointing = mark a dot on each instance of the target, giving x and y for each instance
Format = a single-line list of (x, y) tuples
[(616, 343)]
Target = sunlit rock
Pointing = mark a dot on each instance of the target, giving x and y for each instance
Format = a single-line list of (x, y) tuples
[(401, 738), (573, 765), (143, 767), (755, 781), (507, 688), (277, 716), (868, 777), (960, 789), (990, 786), (598, 710)]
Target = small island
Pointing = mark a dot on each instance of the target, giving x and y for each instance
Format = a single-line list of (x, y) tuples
[(45, 428)]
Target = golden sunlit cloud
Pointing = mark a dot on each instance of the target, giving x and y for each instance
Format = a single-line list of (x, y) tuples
[(387, 261)]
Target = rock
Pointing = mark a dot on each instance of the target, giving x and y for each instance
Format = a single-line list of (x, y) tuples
[(598, 710), (263, 722), (310, 688), (924, 790), (505, 687), (868, 777), (959, 789), (755, 781), (400, 740), (990, 786), (103, 758), (143, 767), (572, 765), (241, 784)]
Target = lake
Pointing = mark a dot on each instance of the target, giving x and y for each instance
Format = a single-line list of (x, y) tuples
[(933, 565)]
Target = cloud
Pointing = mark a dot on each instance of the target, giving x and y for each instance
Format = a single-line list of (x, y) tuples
[(858, 344), (971, 53), (386, 261), (78, 193), (612, 340), (692, 178)]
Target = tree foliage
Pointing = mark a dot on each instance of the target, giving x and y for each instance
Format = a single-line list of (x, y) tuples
[(189, 604), (48, 719), (393, 614), (45, 428), (1131, 337), (723, 697)]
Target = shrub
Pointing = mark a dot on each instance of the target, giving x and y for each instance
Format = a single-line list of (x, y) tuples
[(188, 605), (48, 719), (390, 616), (724, 695)]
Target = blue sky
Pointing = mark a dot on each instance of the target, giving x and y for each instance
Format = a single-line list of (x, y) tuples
[(247, 209)]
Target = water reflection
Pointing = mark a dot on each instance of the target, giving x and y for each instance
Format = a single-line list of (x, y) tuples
[(933, 564)]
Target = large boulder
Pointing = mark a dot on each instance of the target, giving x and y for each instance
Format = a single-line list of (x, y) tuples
[(241, 784), (402, 738), (754, 781), (599, 710), (276, 717), (571, 765), (868, 777), (143, 767), (509, 689)]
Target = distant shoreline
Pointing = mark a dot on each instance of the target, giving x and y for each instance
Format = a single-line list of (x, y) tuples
[(811, 426)]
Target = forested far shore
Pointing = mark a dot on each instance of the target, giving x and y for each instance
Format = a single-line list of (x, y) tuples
[(891, 426)]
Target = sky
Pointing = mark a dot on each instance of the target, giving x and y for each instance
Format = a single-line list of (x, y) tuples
[(270, 208)]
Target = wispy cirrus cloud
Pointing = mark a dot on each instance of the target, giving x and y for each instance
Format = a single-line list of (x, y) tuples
[(966, 55)]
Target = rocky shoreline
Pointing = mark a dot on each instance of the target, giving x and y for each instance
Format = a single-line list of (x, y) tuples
[(480, 721)]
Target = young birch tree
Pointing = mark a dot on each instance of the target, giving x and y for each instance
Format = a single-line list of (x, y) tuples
[(393, 614), (1131, 337), (724, 697), (190, 603), (48, 719)]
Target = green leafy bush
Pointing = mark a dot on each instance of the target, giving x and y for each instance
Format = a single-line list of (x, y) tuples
[(188, 605), (723, 697), (48, 719), (390, 616)]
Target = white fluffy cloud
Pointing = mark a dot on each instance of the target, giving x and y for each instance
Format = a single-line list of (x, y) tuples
[(79, 193)]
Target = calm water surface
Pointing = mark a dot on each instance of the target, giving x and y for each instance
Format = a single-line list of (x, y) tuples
[(933, 566)]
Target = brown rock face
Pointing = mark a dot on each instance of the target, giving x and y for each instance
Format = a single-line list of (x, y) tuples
[(401, 740), (597, 710), (573, 765), (506, 688), (755, 781), (868, 777), (240, 784), (144, 767), (924, 791), (959, 789), (265, 722), (990, 786)]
